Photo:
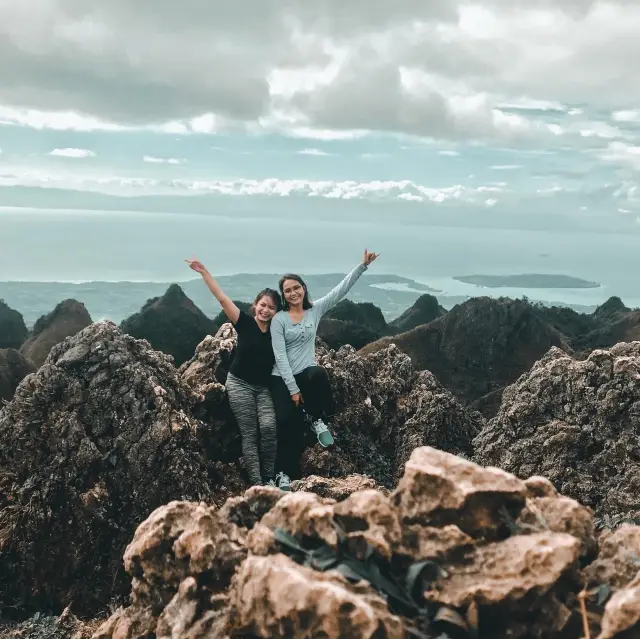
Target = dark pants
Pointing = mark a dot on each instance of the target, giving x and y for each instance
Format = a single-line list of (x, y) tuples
[(315, 388)]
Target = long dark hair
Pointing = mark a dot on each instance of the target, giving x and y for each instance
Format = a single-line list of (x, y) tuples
[(268, 292), (306, 300)]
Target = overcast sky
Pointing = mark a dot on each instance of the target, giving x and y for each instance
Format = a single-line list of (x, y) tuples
[(490, 104)]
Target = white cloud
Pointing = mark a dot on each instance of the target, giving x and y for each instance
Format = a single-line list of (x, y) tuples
[(444, 69), (154, 160), (505, 167), (448, 152), (623, 154), (72, 153), (317, 152)]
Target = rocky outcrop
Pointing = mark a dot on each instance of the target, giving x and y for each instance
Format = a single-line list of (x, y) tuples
[(506, 562), (66, 319), (336, 333), (14, 367), (172, 324), (424, 310), (90, 445), (352, 323), (576, 423), (478, 347), (13, 331), (383, 409)]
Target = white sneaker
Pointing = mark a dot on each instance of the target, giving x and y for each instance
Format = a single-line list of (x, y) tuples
[(325, 438), (283, 482)]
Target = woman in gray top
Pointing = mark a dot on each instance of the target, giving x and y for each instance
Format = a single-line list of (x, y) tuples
[(297, 381)]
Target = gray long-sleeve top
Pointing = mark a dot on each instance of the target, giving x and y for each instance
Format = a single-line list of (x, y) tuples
[(294, 345)]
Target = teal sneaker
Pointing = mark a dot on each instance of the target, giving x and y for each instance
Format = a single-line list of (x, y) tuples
[(325, 438), (283, 482)]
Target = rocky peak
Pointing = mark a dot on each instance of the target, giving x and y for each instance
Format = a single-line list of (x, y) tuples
[(612, 307), (171, 323), (67, 318), (13, 331), (424, 310)]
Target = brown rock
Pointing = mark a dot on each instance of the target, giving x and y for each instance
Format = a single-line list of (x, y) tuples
[(275, 597), (334, 488), (428, 542), (618, 561), (439, 488), (622, 613), (67, 319)]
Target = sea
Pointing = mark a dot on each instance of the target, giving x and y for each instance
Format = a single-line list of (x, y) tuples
[(44, 254)]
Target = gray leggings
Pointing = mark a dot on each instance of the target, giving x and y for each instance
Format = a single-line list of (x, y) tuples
[(252, 407)]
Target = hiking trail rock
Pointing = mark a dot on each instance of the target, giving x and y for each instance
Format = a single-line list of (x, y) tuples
[(13, 331), (14, 367), (577, 423)]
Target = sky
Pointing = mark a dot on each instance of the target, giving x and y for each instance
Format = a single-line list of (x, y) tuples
[(497, 108)]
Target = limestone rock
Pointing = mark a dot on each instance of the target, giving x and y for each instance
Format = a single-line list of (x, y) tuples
[(275, 597), (335, 488), (66, 320), (91, 444), (13, 331), (171, 323), (14, 367), (622, 613), (576, 423)]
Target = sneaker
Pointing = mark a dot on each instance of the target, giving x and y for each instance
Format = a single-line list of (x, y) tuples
[(283, 482), (271, 483), (325, 438)]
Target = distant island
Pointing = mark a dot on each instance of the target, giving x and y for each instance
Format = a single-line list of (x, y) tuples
[(527, 280)]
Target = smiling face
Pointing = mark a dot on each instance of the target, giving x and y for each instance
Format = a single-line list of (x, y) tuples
[(293, 292), (265, 308)]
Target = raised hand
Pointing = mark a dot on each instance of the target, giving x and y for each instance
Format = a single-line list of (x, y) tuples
[(369, 257), (197, 266)]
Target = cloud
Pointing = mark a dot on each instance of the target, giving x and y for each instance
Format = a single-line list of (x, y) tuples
[(72, 153), (623, 154), (505, 167), (444, 69), (317, 152), (153, 160)]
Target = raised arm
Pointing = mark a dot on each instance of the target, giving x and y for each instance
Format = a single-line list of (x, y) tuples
[(335, 295), (280, 351), (229, 308)]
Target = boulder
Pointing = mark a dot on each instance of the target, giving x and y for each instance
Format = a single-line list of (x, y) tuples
[(198, 572), (66, 319), (171, 323), (576, 423)]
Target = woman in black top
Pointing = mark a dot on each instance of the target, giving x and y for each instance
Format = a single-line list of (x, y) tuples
[(249, 376)]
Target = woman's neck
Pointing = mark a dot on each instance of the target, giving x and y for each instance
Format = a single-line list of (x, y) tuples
[(263, 326), (296, 310)]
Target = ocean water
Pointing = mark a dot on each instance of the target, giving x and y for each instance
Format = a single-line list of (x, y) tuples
[(80, 246)]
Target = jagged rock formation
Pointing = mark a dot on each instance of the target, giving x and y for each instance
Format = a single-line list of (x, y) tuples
[(172, 324), (510, 553), (383, 410), (356, 324), (13, 331), (424, 310), (92, 443), (14, 367), (66, 319), (576, 423), (361, 313), (66, 626), (221, 318), (479, 347)]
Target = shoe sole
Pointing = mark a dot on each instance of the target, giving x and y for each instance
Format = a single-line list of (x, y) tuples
[(329, 437)]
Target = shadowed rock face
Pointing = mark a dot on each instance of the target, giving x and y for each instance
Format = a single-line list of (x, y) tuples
[(172, 324), (424, 310), (355, 324), (576, 423), (91, 444), (479, 346), (13, 369), (13, 331), (513, 572), (66, 319)]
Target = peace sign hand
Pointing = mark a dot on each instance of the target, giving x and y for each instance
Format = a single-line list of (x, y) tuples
[(369, 257)]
